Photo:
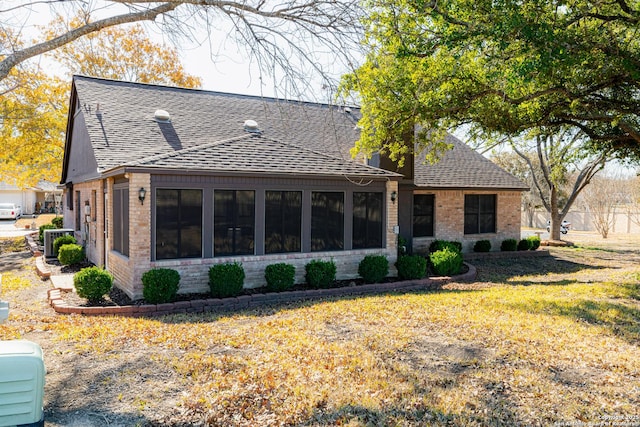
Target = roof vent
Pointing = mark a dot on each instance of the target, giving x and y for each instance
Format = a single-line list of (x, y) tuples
[(251, 126), (347, 110), (161, 116)]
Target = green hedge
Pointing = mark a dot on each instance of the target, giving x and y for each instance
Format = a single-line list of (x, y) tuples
[(70, 254), (280, 276), (509, 245), (482, 246), (320, 274), (92, 283), (524, 245), (373, 268), (411, 267), (41, 231), (160, 285), (535, 242), (57, 222), (446, 262), (62, 240), (438, 245), (226, 280)]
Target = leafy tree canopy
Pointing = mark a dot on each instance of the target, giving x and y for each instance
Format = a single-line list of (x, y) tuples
[(34, 108), (501, 68)]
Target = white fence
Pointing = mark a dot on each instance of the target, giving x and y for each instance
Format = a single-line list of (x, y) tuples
[(581, 221)]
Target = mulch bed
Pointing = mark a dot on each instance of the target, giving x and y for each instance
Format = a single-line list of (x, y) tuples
[(117, 298)]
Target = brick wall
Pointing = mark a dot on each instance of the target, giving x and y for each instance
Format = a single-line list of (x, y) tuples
[(90, 235), (194, 273), (449, 219), (128, 271)]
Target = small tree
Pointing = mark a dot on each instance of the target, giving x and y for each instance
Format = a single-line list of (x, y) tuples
[(602, 198)]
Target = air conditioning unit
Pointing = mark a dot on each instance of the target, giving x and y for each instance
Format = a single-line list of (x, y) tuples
[(50, 236), (21, 384)]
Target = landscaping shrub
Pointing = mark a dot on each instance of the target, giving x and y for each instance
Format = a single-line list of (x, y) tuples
[(535, 242), (509, 245), (446, 262), (57, 221), (524, 245), (320, 274), (279, 277), (62, 240), (226, 280), (92, 283), (482, 246), (438, 245), (160, 285), (41, 231), (411, 267), (70, 254), (373, 268)]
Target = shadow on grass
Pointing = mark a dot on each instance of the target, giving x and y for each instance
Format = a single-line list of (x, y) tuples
[(503, 270)]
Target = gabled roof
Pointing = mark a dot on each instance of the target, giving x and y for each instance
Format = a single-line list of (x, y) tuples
[(463, 167), (258, 154), (119, 118), (206, 133)]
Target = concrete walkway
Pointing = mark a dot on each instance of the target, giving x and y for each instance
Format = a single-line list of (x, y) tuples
[(8, 229), (64, 282)]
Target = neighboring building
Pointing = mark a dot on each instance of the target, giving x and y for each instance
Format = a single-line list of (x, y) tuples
[(167, 177), (33, 200)]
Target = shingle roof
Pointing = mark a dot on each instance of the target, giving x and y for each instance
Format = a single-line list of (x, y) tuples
[(120, 120), (258, 154), (119, 117), (463, 167)]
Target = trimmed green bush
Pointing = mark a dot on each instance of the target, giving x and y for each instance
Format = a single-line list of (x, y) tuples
[(373, 268), (92, 283), (62, 240), (482, 246), (280, 276), (411, 267), (226, 280), (446, 262), (524, 245), (41, 231), (160, 285), (320, 274), (438, 245), (70, 254), (535, 242), (509, 245), (57, 222)]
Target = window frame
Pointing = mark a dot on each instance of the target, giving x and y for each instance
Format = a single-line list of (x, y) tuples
[(430, 224), (285, 215), (233, 220), (326, 216), (480, 217), (373, 234), (121, 218), (181, 222)]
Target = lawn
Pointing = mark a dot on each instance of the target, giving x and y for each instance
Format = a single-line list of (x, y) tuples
[(541, 341)]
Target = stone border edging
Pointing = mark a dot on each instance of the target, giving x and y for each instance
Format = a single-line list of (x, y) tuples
[(256, 300)]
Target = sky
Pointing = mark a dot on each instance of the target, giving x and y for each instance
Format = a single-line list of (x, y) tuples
[(221, 63)]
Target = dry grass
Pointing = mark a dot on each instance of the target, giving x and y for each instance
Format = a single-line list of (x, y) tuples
[(544, 341), (39, 220)]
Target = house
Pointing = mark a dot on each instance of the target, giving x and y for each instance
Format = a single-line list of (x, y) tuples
[(178, 178), (42, 198)]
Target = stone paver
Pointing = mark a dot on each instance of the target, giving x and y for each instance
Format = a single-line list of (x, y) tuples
[(64, 282)]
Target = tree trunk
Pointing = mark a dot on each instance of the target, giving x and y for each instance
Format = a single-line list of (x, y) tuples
[(556, 218)]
